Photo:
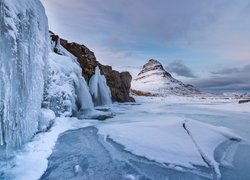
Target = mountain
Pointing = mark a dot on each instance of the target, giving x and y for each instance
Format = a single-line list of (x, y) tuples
[(154, 80)]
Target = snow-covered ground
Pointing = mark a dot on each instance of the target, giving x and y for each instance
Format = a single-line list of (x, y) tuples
[(184, 135)]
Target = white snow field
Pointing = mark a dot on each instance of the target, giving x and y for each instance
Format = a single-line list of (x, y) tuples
[(177, 136)]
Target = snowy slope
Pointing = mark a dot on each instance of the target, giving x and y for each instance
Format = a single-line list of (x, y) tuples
[(23, 64), (154, 79)]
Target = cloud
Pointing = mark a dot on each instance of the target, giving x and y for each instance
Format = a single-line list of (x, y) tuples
[(205, 33), (226, 79), (242, 72), (226, 71), (179, 68)]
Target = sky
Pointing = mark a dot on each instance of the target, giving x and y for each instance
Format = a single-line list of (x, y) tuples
[(205, 43)]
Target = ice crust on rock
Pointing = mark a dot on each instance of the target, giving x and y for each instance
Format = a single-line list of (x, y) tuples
[(23, 64)]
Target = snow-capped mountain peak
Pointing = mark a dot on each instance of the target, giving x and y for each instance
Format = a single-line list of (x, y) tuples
[(154, 79), (154, 67)]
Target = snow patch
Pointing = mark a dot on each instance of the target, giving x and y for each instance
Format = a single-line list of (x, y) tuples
[(46, 119)]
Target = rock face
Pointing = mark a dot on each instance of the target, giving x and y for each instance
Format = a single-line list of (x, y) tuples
[(244, 101), (119, 83), (155, 80)]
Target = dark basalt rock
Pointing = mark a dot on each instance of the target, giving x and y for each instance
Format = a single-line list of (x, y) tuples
[(244, 101), (119, 83)]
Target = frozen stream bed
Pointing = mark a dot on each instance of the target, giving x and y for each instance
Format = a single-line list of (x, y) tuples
[(156, 138), (83, 154)]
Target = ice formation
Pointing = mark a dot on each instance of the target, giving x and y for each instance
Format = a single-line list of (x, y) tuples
[(66, 91), (33, 76), (23, 60), (99, 89)]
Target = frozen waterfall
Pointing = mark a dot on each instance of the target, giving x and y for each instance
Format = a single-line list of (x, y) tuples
[(66, 91), (99, 89), (23, 60)]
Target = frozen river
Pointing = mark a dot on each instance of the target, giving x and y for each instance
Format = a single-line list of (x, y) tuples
[(86, 154)]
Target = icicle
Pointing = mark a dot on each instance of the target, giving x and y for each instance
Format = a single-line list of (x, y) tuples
[(99, 89), (57, 47), (1, 123)]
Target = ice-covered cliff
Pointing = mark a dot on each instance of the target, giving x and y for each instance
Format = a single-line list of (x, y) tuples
[(23, 64), (66, 91), (118, 82), (155, 80), (35, 81)]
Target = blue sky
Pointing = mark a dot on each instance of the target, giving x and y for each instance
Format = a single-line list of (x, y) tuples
[(206, 43)]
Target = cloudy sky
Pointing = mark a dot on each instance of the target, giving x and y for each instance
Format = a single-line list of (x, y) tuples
[(206, 43)]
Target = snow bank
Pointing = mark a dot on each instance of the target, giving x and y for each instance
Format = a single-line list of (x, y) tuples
[(23, 64), (46, 119)]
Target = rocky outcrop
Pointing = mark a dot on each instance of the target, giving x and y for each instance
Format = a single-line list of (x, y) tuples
[(141, 93), (119, 83), (244, 101), (154, 80)]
